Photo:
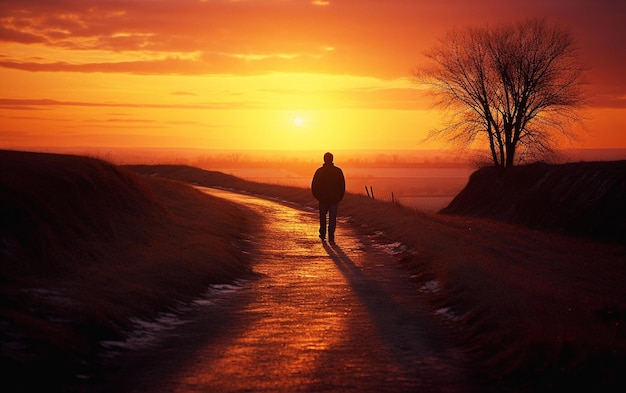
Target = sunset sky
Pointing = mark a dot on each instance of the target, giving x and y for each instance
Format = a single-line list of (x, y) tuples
[(262, 74)]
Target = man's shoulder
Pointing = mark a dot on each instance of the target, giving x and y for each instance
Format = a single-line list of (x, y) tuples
[(318, 172), (328, 169)]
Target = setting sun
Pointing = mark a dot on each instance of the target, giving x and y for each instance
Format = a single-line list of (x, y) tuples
[(298, 121)]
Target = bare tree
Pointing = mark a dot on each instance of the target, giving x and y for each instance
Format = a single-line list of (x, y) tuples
[(515, 86)]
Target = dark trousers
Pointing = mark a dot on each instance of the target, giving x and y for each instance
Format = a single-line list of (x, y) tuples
[(331, 210)]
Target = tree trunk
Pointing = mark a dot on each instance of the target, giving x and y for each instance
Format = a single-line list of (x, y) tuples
[(492, 146), (510, 154)]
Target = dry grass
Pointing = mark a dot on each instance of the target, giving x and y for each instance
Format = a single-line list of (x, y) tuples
[(86, 246), (537, 311)]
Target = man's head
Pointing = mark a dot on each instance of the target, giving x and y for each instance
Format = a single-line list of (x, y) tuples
[(328, 158)]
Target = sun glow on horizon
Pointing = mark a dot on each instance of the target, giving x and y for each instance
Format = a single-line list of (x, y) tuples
[(310, 75)]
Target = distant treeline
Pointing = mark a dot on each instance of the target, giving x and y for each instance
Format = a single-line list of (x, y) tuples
[(292, 163), (303, 161)]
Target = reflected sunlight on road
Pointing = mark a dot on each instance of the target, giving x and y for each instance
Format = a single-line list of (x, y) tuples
[(300, 312), (321, 318)]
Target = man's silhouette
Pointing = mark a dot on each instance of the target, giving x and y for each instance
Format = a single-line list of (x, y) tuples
[(328, 187)]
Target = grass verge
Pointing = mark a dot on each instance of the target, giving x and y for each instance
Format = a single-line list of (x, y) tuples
[(86, 246)]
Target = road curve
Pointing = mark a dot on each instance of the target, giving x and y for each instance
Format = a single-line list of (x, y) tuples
[(320, 318)]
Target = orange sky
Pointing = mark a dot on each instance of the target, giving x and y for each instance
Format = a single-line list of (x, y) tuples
[(261, 74)]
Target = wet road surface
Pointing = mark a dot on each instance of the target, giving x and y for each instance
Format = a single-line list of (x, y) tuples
[(321, 318)]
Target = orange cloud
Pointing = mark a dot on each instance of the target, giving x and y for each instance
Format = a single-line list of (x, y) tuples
[(370, 37), (39, 103)]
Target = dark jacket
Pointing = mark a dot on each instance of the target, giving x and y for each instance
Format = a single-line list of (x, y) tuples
[(328, 185)]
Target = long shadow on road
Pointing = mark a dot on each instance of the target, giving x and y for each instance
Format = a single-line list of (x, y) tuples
[(407, 336), (391, 302)]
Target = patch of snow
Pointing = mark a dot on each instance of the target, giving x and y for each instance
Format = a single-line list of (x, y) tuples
[(431, 286), (447, 313), (214, 293), (51, 295), (392, 248), (145, 333), (148, 333), (203, 302), (224, 287)]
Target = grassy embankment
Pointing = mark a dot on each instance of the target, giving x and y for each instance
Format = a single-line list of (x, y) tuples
[(87, 246), (536, 310)]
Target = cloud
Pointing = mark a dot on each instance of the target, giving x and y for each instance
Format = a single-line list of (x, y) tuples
[(369, 37), (171, 26), (11, 103), (13, 35), (164, 66), (205, 64), (29, 118), (182, 93), (184, 37)]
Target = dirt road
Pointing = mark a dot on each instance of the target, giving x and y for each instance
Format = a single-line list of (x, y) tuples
[(320, 318)]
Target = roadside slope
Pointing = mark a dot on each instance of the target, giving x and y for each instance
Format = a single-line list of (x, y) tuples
[(87, 246), (585, 199)]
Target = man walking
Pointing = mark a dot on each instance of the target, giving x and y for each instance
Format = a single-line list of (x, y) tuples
[(328, 187)]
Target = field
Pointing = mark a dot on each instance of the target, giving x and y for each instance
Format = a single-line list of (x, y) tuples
[(535, 310), (427, 187)]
